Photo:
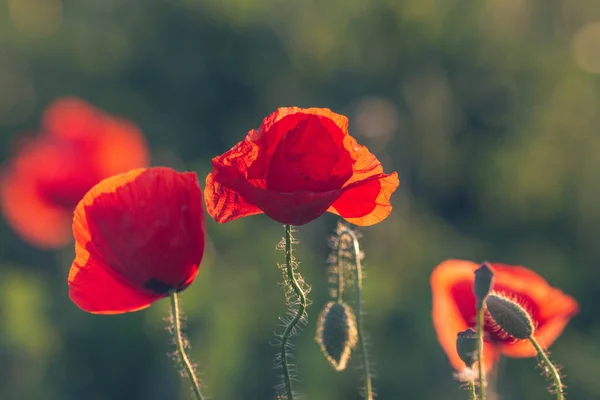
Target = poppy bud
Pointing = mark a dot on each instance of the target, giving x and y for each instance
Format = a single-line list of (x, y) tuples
[(336, 333), (466, 346), (483, 282), (510, 317)]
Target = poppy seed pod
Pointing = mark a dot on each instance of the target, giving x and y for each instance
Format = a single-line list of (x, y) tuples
[(509, 317), (337, 334), (483, 282), (466, 346)]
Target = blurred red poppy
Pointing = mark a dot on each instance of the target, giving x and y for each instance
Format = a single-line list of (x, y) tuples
[(299, 164), (138, 236), (77, 146), (454, 309)]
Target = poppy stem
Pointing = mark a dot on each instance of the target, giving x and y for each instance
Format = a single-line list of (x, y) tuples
[(294, 280), (359, 327), (175, 316), (481, 373), (471, 388), (340, 269), (550, 368)]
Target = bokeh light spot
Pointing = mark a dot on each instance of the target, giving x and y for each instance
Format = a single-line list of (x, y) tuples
[(585, 47), (36, 18)]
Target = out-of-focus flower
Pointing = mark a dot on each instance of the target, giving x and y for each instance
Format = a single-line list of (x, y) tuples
[(299, 164), (138, 236), (77, 146), (454, 309)]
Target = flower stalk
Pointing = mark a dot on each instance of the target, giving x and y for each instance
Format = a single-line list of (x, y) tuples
[(550, 367), (179, 341), (484, 277), (293, 279), (358, 276), (480, 370), (471, 389)]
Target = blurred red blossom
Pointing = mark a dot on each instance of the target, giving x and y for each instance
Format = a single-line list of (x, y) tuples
[(138, 236), (299, 164), (454, 309), (77, 146)]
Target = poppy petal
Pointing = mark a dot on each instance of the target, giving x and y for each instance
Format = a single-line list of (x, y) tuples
[(144, 228), (34, 219), (224, 204), (119, 148), (95, 290), (71, 118), (366, 202), (340, 120), (309, 157)]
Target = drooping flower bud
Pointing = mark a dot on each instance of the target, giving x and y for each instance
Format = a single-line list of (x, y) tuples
[(466, 346), (483, 282), (509, 317), (337, 334)]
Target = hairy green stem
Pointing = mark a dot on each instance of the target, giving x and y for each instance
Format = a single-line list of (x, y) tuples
[(472, 392), (340, 270), (289, 328), (175, 316), (481, 374), (551, 367), (359, 327)]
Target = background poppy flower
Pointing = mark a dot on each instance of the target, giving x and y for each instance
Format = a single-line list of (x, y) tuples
[(138, 235), (78, 145), (454, 308), (299, 164)]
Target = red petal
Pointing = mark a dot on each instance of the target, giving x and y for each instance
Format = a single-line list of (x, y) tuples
[(366, 202), (225, 204), (95, 290), (34, 219), (309, 157), (144, 227), (71, 118)]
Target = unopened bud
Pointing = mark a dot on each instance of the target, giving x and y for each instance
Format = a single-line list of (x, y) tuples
[(509, 317), (466, 346), (483, 282), (337, 334)]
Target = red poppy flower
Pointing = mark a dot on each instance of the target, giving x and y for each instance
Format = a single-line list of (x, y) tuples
[(299, 164), (454, 309), (78, 145), (138, 236)]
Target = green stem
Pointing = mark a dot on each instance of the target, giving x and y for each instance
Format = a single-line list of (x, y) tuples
[(472, 392), (340, 270), (481, 374), (289, 328), (359, 327), (551, 367), (181, 347)]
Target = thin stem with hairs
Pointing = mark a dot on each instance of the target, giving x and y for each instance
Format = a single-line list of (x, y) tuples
[(292, 280), (550, 367), (179, 340), (471, 389), (358, 283), (481, 373)]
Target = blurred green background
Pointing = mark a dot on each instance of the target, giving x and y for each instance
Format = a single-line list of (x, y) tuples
[(488, 109)]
